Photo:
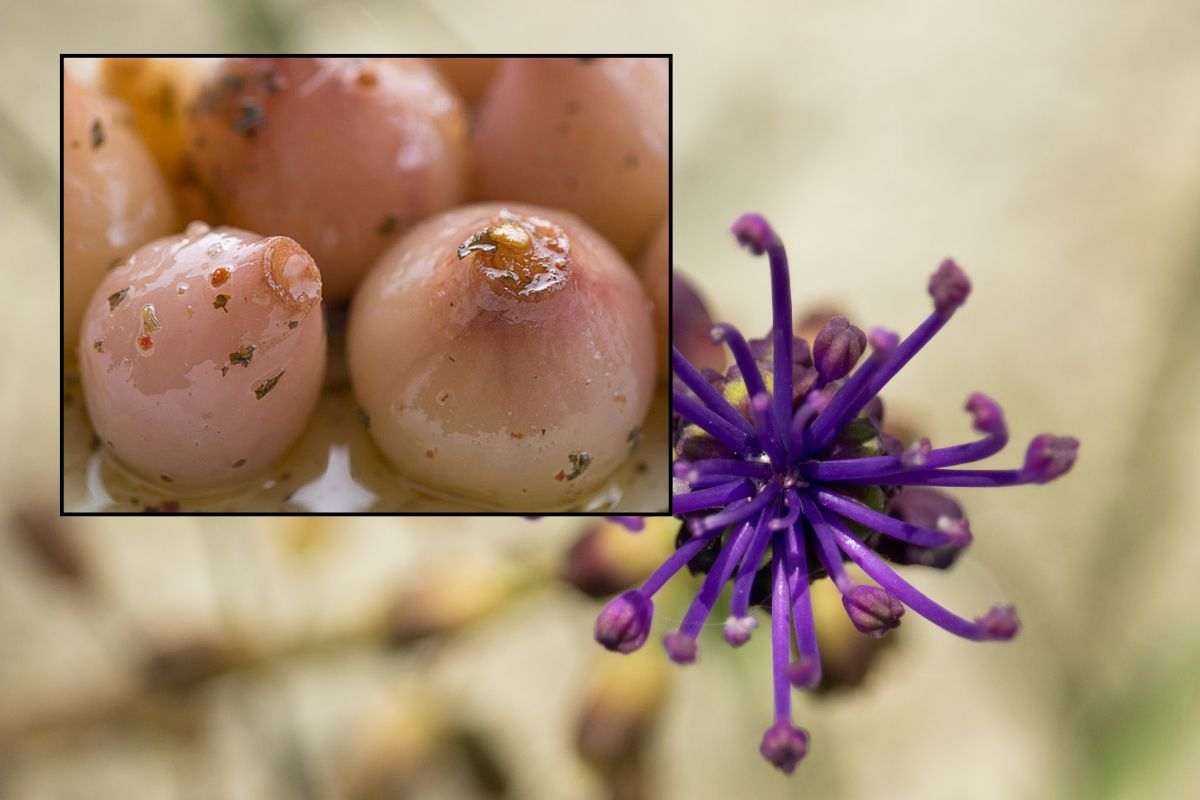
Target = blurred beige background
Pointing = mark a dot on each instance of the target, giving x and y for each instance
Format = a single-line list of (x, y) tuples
[(1050, 148)]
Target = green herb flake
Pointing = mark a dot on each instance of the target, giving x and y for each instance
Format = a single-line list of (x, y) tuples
[(218, 302), (97, 133), (262, 389), (116, 298), (98, 345)]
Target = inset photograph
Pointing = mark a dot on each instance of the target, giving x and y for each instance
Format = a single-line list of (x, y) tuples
[(365, 285)]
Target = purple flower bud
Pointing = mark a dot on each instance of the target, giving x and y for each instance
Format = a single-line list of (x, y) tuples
[(690, 325), (837, 348), (680, 647), (916, 454), (624, 623), (986, 415), (1000, 623), (957, 527), (949, 287), (755, 233), (804, 672), (784, 745), (872, 610), (883, 340), (1049, 456), (928, 508), (738, 630)]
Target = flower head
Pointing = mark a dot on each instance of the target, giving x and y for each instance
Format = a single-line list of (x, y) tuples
[(784, 471)]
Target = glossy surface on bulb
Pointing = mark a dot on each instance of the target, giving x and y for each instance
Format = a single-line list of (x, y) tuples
[(655, 271), (203, 356), (515, 376), (588, 136), (114, 198), (342, 155)]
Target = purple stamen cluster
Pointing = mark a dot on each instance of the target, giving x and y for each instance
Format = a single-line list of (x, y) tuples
[(784, 472)]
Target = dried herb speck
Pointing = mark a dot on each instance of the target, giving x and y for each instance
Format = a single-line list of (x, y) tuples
[(97, 134), (166, 478), (262, 389), (98, 345), (580, 461), (115, 298), (270, 81), (293, 324), (363, 416), (634, 435), (150, 321), (250, 117), (389, 225), (241, 462), (242, 356), (219, 302)]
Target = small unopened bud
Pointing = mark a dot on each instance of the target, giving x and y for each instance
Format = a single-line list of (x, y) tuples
[(624, 623), (690, 324), (755, 233), (1049, 456), (784, 745), (929, 508), (1000, 623), (448, 600), (738, 629), (872, 610), (949, 287), (916, 454), (804, 672), (986, 415), (680, 647), (605, 559), (883, 341), (837, 348), (622, 703)]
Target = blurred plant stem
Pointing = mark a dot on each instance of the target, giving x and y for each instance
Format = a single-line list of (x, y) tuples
[(1127, 732), (32, 174), (255, 25)]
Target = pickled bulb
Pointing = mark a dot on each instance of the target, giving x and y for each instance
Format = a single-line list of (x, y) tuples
[(203, 356), (487, 381), (114, 198), (342, 155), (589, 136)]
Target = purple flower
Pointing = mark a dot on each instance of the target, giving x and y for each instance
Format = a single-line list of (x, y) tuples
[(783, 472)]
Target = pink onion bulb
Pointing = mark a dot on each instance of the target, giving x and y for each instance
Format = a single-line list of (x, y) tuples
[(588, 136), (114, 198), (341, 155), (203, 356), (503, 354)]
